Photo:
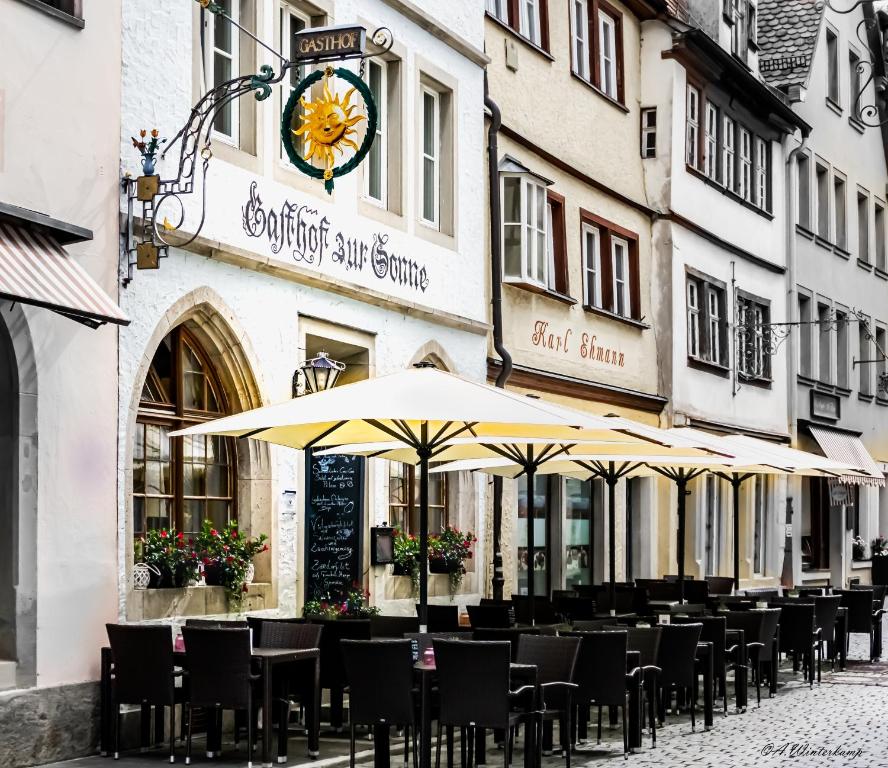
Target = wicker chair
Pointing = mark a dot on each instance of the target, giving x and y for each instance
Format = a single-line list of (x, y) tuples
[(714, 631), (511, 634), (750, 623), (602, 678), (800, 636), (720, 585), (380, 689), (220, 676), (474, 692), (555, 659), (143, 674), (646, 641), (441, 618), (862, 618), (393, 627), (677, 661), (826, 609), (490, 616)]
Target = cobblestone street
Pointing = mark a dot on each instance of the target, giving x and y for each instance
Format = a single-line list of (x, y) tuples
[(841, 722)]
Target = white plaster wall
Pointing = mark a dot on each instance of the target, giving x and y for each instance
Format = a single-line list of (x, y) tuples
[(58, 155), (158, 91)]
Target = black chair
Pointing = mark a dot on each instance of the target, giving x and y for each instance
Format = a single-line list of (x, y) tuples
[(626, 599), (394, 627), (419, 641), (811, 591), (509, 634), (592, 625), (800, 636), (216, 624), (696, 591), (555, 659), (750, 623), (441, 618), (826, 609), (506, 603), (474, 692), (601, 677), (143, 673), (332, 667), (770, 651), (714, 631), (574, 608), (659, 589), (862, 619), (489, 616), (544, 612), (673, 577), (878, 593), (677, 662), (762, 594), (720, 585), (380, 689), (646, 641), (220, 677), (256, 622)]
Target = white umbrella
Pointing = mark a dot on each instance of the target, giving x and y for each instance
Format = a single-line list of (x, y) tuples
[(420, 407)]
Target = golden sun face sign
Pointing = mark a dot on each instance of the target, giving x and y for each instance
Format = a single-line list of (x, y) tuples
[(328, 126)]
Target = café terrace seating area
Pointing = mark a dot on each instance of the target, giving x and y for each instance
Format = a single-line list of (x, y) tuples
[(602, 672)]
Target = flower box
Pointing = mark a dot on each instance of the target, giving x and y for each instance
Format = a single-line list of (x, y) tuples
[(439, 565), (400, 569)]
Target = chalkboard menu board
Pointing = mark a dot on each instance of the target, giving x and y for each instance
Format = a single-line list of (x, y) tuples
[(333, 520)]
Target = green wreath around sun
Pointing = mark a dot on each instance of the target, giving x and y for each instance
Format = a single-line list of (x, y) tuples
[(328, 126)]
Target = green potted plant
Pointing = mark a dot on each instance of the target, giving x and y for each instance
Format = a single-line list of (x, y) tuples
[(448, 552), (879, 554), (858, 548), (171, 559), (227, 558), (406, 557), (354, 604)]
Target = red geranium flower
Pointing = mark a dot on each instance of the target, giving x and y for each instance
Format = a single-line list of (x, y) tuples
[(164, 534)]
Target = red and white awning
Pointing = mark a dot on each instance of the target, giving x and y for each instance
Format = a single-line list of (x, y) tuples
[(849, 450), (36, 269)]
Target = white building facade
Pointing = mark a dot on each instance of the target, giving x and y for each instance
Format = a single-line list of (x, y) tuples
[(58, 389), (838, 275), (385, 272), (712, 139)]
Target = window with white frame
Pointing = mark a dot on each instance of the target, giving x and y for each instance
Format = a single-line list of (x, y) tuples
[(375, 169), (430, 148), (621, 290), (840, 212), (693, 296), (607, 52), (729, 157), (707, 319), (863, 238), (842, 350), (221, 64), (525, 252), (761, 503), (591, 247), (761, 173), (498, 8), (753, 316), (803, 178), (530, 20), (822, 174), (832, 66), (710, 160), (745, 189), (649, 132), (692, 132), (581, 43), (292, 22), (879, 234), (806, 356)]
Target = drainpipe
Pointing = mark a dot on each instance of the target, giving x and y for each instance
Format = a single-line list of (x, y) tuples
[(788, 574), (496, 311)]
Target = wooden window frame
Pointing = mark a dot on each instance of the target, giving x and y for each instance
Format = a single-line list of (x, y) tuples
[(713, 141), (412, 480), (558, 279), (697, 143), (647, 130), (705, 286), (745, 302), (176, 416), (607, 230), (513, 21), (594, 9)]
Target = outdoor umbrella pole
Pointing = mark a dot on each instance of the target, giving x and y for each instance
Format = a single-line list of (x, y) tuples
[(612, 534), (424, 529), (736, 480), (531, 515), (682, 483)]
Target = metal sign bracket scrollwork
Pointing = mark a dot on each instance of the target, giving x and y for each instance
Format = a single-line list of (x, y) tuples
[(149, 233)]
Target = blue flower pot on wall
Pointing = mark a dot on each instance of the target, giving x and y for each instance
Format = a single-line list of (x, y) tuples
[(148, 163)]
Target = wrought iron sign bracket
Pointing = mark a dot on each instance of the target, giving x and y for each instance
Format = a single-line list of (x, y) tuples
[(148, 239)]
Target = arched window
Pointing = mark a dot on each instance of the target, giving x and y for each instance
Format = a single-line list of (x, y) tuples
[(181, 482)]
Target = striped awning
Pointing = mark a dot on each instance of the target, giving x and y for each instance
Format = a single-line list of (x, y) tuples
[(849, 450), (36, 269)]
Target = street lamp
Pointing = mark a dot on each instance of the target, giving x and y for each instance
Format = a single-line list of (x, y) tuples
[(320, 373)]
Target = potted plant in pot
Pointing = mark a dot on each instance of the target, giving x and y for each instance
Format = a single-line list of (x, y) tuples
[(171, 559), (227, 558), (858, 548), (406, 560), (879, 553), (354, 604), (448, 552)]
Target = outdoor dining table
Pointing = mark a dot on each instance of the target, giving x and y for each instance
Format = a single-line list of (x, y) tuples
[(264, 658)]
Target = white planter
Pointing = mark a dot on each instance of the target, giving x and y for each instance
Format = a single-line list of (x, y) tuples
[(141, 576), (250, 574)]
